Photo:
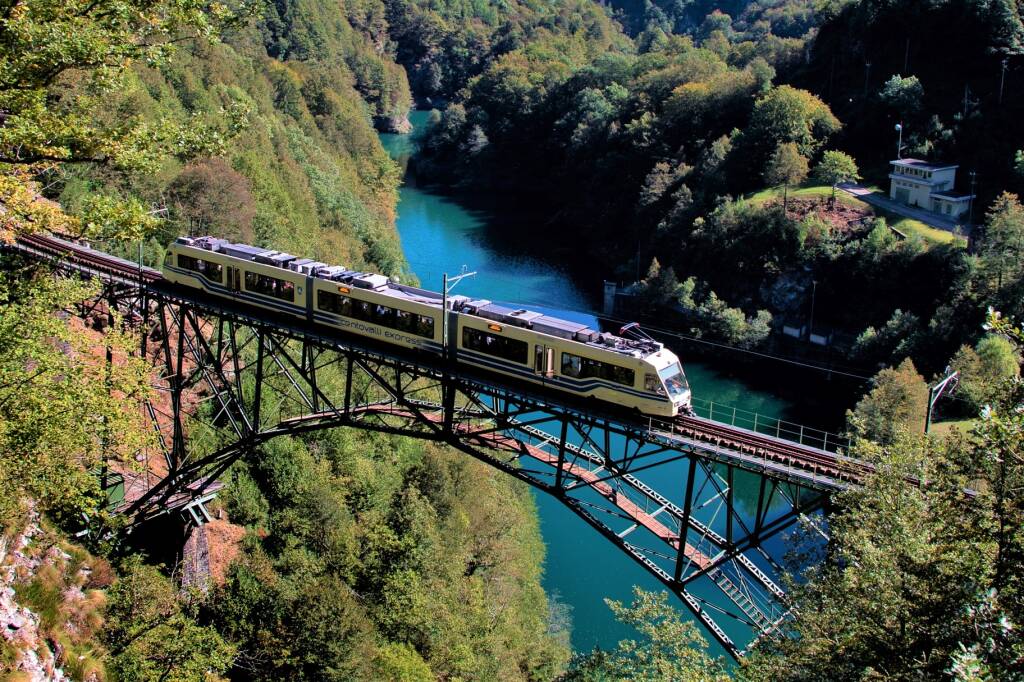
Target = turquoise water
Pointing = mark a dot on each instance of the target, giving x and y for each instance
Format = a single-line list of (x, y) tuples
[(441, 235)]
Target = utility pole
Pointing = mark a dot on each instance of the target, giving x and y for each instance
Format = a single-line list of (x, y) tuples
[(1002, 78), (445, 290), (867, 75), (814, 292), (899, 141), (970, 202)]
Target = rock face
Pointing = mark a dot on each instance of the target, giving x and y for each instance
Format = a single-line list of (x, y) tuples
[(18, 625), (393, 124)]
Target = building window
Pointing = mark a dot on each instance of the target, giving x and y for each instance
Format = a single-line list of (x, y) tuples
[(270, 286), (212, 271), (585, 368), (493, 344)]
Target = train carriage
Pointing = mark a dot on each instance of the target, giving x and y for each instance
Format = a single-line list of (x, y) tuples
[(569, 357), (573, 359)]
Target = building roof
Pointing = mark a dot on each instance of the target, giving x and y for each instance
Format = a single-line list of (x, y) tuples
[(923, 165), (953, 196)]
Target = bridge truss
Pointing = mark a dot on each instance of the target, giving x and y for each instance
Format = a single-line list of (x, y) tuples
[(260, 376)]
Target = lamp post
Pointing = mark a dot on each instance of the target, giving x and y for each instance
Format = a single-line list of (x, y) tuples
[(899, 141)]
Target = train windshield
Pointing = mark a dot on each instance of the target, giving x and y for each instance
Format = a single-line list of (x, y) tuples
[(675, 380)]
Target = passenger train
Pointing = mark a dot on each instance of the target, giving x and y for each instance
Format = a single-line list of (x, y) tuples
[(636, 373)]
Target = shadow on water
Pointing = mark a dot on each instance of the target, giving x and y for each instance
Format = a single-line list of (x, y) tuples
[(440, 233)]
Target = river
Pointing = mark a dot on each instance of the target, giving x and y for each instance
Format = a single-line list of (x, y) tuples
[(440, 235)]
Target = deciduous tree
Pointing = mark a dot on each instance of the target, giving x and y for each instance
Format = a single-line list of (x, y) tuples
[(897, 402), (786, 167), (836, 167)]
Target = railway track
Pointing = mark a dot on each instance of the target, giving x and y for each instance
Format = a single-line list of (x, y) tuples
[(778, 451), (792, 455)]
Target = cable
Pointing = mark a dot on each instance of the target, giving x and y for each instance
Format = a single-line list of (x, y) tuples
[(675, 334)]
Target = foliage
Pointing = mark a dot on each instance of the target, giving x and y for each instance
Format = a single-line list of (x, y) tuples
[(919, 581), (712, 318), (670, 647), (897, 402), (985, 370), (786, 167), (382, 557), (789, 115), (903, 95), (1002, 243), (210, 196), (152, 635), (836, 167), (63, 410), (59, 60)]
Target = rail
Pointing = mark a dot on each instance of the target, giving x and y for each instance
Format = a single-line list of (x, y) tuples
[(770, 426), (748, 437)]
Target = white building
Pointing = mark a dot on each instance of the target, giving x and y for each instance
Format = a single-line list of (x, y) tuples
[(928, 186)]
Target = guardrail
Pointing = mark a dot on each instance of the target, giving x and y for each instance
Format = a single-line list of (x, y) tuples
[(770, 426)]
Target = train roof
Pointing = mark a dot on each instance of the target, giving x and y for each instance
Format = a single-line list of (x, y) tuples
[(483, 308)]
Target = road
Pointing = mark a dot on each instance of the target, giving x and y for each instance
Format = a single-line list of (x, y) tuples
[(876, 198)]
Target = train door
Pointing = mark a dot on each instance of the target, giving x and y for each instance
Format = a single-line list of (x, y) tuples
[(544, 361), (234, 278)]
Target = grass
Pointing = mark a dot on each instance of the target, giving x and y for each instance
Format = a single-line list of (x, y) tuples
[(908, 226), (944, 428)]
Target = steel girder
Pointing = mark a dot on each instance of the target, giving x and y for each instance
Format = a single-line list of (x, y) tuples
[(257, 379)]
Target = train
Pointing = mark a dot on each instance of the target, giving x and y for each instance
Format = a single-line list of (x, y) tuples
[(634, 372)]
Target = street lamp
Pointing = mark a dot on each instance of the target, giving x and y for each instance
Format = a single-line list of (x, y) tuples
[(899, 142)]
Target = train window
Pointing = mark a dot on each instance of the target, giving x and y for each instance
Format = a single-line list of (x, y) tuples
[(652, 383), (212, 271), (333, 303), (498, 346), (393, 318), (425, 326), (585, 368), (269, 286)]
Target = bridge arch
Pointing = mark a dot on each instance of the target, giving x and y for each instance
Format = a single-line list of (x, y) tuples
[(693, 537)]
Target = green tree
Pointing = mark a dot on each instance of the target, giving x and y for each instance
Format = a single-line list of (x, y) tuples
[(152, 635), (670, 647), (904, 96), (787, 114), (897, 402), (909, 586), (1002, 241), (786, 167), (985, 370), (660, 287), (836, 167), (210, 197), (58, 61), (63, 410)]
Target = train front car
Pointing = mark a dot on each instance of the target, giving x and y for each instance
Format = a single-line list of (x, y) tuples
[(637, 374), (672, 382)]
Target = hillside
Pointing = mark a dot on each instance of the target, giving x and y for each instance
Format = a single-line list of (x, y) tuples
[(355, 555)]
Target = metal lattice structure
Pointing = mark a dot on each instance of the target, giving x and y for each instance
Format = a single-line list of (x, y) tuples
[(258, 376)]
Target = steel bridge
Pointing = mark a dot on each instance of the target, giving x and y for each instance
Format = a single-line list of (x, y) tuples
[(258, 376)]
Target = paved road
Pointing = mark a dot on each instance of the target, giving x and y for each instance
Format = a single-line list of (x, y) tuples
[(882, 201)]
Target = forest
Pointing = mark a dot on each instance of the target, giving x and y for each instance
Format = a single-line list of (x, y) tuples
[(674, 147)]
